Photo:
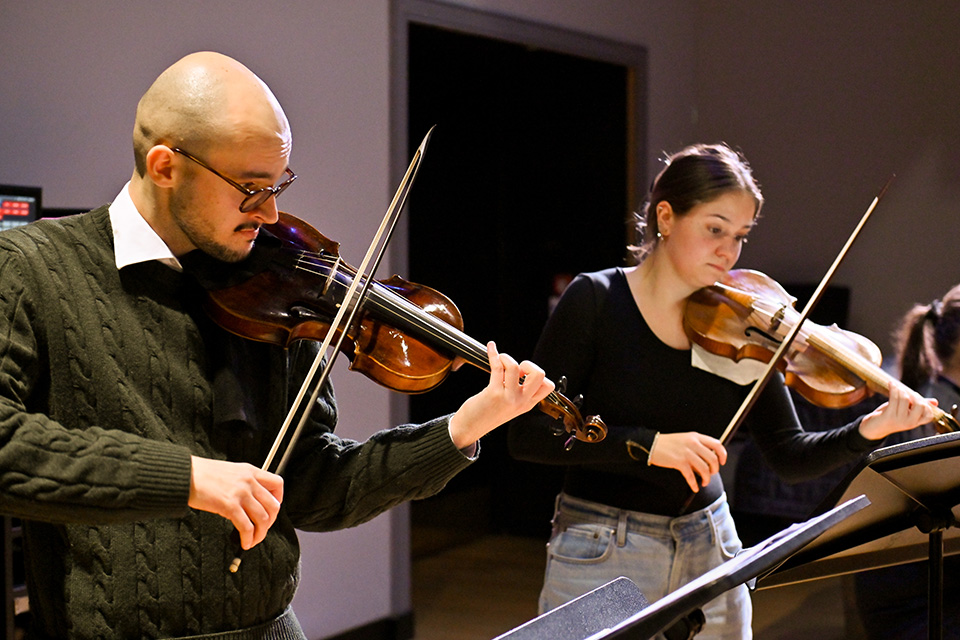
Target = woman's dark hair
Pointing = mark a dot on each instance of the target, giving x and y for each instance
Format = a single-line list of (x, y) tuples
[(927, 339), (694, 175)]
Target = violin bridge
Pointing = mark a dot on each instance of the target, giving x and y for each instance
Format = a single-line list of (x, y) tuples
[(330, 276), (777, 319)]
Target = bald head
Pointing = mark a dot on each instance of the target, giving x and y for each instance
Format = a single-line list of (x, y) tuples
[(207, 99)]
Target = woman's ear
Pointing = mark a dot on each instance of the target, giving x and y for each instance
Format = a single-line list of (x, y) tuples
[(665, 218)]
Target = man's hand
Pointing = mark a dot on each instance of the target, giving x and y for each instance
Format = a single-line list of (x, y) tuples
[(243, 494), (513, 389)]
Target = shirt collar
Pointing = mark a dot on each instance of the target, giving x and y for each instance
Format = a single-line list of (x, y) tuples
[(134, 240)]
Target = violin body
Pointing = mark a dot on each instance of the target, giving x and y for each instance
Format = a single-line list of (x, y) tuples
[(748, 314), (406, 337), (737, 330), (274, 306)]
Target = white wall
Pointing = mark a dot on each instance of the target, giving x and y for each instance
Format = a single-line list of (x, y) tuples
[(72, 72)]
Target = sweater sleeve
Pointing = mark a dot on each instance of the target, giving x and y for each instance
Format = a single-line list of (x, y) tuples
[(53, 473), (331, 482), (567, 348)]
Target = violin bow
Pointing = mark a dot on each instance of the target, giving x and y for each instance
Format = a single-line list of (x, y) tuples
[(761, 382), (348, 309), (375, 254)]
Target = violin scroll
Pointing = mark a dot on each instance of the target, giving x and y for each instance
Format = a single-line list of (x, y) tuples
[(557, 406), (946, 421), (591, 429)]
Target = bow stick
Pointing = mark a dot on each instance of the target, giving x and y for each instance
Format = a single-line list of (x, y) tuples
[(761, 382), (351, 304)]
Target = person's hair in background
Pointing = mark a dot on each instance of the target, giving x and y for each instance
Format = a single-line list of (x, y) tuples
[(893, 601), (927, 340), (696, 174)]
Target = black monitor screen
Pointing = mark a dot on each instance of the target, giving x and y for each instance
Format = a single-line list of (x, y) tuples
[(18, 205)]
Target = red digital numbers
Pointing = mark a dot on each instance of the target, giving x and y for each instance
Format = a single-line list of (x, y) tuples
[(14, 209)]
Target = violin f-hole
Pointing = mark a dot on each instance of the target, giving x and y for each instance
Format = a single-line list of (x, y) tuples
[(754, 330)]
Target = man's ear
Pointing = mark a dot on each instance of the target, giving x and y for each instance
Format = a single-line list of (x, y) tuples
[(160, 165)]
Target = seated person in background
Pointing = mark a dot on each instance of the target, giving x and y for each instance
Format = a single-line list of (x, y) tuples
[(893, 601)]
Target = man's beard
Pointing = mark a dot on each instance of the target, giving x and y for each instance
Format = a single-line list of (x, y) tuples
[(182, 209)]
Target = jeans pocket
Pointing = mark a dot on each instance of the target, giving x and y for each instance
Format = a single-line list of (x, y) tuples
[(582, 544)]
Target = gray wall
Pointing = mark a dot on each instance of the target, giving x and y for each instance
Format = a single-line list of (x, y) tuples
[(826, 99)]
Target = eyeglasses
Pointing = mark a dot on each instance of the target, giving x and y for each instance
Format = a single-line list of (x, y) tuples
[(255, 197)]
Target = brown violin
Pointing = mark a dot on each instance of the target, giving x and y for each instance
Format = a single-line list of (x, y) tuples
[(748, 314), (406, 337)]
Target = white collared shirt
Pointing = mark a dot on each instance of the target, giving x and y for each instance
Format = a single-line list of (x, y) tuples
[(133, 239)]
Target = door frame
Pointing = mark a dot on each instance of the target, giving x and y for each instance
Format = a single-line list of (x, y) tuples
[(515, 30)]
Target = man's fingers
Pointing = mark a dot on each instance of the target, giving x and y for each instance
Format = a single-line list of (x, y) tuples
[(246, 496)]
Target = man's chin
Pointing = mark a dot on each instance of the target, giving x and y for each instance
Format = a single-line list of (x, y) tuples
[(229, 254), (237, 256)]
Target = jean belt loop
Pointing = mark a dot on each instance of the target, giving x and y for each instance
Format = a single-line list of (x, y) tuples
[(556, 508), (713, 526), (622, 529)]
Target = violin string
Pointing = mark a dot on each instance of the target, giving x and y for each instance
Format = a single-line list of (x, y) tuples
[(371, 259), (761, 382), (392, 304), (388, 301), (830, 344)]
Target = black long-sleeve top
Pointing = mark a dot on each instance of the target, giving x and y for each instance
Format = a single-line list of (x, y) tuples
[(598, 339)]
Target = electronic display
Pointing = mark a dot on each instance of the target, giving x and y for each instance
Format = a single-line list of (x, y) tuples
[(18, 205)]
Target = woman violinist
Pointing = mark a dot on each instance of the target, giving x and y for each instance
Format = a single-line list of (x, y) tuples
[(618, 337)]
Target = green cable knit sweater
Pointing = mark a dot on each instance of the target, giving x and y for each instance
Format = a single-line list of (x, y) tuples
[(106, 389)]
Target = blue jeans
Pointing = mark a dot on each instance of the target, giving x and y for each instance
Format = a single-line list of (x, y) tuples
[(592, 544)]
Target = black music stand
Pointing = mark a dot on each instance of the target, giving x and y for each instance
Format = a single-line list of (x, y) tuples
[(914, 490), (584, 616), (750, 563)]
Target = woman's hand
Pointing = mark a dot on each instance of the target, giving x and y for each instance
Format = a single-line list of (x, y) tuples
[(904, 409), (692, 454)]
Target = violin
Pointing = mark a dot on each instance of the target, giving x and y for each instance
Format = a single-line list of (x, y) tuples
[(747, 315), (406, 337)]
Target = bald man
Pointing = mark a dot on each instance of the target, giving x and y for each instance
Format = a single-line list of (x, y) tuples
[(132, 429)]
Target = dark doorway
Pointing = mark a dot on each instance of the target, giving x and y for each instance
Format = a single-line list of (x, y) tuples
[(525, 183)]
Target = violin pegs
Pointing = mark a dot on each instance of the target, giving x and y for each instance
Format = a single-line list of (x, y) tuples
[(569, 443), (562, 384), (578, 400)]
